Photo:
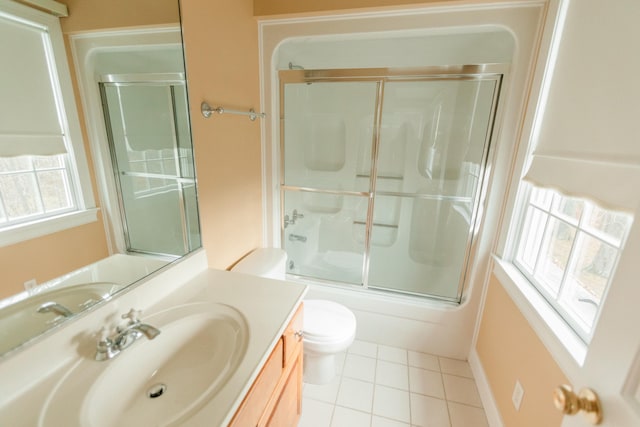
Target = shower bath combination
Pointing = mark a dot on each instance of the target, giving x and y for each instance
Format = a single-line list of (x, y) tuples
[(383, 170)]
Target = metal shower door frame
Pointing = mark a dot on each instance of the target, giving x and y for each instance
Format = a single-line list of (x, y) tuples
[(381, 76), (168, 80)]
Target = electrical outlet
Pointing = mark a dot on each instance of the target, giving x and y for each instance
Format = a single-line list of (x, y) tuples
[(518, 394)]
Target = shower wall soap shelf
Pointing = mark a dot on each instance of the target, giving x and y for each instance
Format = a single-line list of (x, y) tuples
[(207, 111)]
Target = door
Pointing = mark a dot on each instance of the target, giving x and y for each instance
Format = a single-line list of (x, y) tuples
[(612, 365), (604, 127)]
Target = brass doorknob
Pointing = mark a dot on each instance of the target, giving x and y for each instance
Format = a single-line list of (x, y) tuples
[(570, 403)]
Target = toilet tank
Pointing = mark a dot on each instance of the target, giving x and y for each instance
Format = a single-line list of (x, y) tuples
[(264, 262)]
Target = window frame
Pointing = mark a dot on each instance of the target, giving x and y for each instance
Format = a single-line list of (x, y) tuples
[(76, 159), (580, 229)]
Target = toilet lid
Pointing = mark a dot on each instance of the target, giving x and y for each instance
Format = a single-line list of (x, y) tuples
[(327, 321)]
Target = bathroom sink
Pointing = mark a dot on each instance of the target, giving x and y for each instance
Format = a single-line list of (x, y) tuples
[(154, 382)]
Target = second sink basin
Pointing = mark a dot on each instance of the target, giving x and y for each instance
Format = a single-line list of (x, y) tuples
[(154, 382)]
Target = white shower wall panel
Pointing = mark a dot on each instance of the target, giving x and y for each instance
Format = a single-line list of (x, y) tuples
[(400, 49)]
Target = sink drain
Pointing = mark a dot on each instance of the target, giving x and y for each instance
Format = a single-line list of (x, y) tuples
[(156, 391)]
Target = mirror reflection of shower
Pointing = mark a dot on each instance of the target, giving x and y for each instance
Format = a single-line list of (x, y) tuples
[(147, 125)]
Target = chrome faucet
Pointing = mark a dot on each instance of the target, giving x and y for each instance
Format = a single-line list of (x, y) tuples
[(292, 220), (125, 335), (54, 307)]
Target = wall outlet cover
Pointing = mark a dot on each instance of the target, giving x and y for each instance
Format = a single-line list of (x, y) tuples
[(518, 394), (30, 284)]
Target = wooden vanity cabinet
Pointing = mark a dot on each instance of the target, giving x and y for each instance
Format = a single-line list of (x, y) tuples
[(275, 398)]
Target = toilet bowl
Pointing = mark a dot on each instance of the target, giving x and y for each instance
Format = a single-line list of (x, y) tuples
[(328, 328)]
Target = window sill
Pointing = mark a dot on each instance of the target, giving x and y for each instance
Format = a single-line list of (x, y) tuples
[(561, 341), (32, 230)]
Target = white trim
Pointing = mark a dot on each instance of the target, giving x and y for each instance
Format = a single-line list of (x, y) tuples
[(46, 226), (467, 6), (71, 121), (484, 390)]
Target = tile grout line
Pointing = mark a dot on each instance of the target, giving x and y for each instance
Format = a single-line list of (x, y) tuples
[(409, 387), (444, 389), (335, 400), (373, 395), (376, 355)]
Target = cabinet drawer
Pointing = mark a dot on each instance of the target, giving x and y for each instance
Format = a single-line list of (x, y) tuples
[(254, 404), (293, 335)]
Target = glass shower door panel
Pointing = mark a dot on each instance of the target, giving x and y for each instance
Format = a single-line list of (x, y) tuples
[(143, 116), (160, 233), (328, 134), (433, 135), (433, 144), (148, 165), (324, 235), (418, 246)]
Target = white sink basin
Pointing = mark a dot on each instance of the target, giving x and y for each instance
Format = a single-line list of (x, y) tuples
[(154, 382)]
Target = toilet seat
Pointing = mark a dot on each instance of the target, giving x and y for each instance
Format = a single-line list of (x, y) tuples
[(327, 321)]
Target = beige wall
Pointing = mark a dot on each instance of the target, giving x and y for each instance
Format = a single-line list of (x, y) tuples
[(51, 256), (221, 48), (277, 7), (87, 15), (510, 350)]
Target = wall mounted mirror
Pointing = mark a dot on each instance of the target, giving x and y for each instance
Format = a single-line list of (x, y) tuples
[(125, 67)]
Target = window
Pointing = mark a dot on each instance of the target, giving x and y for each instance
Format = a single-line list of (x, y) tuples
[(34, 187), (568, 249), (44, 179)]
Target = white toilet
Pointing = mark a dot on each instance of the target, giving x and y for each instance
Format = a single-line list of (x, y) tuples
[(329, 328)]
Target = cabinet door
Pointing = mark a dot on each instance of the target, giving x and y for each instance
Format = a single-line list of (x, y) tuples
[(289, 407), (256, 401)]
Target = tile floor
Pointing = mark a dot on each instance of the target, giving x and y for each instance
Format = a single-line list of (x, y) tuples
[(381, 386)]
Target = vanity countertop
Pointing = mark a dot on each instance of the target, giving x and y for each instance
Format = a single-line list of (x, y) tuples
[(267, 306)]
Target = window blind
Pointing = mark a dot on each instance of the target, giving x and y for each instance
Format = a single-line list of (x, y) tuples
[(30, 114), (588, 139)]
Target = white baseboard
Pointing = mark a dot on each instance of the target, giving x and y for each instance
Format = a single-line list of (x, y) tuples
[(488, 402)]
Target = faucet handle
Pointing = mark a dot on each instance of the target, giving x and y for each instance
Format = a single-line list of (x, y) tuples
[(104, 349), (132, 315), (103, 335)]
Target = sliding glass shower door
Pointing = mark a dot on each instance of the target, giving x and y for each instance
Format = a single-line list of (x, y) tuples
[(152, 157), (381, 175), (320, 181)]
